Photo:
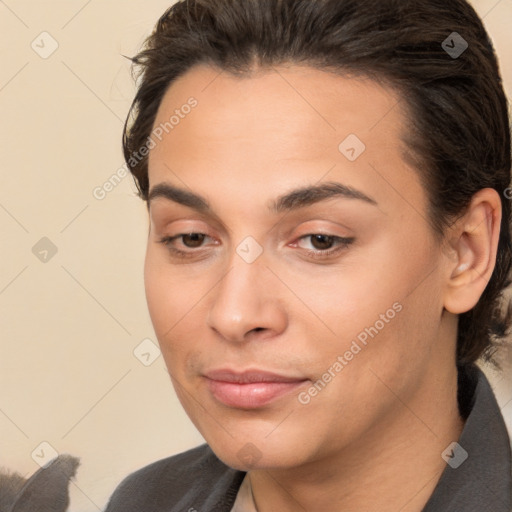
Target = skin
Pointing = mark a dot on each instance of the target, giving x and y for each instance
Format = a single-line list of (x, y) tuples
[(372, 438)]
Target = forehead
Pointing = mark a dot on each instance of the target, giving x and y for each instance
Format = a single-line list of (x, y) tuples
[(284, 125), (311, 108)]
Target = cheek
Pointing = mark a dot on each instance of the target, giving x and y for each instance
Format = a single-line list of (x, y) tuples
[(337, 303), (167, 301), (365, 309), (156, 288), (175, 302)]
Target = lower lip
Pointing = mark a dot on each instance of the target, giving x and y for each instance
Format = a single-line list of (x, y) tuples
[(251, 395)]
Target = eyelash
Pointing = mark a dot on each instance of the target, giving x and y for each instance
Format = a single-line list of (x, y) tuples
[(343, 243), (167, 241), (318, 254)]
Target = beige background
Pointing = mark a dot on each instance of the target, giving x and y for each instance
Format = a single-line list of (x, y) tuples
[(69, 326)]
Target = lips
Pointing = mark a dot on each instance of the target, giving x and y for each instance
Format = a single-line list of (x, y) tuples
[(251, 389)]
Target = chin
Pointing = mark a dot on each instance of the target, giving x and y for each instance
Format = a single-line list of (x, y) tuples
[(251, 453)]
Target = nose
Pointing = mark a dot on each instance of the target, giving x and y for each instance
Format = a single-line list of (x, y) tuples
[(245, 303)]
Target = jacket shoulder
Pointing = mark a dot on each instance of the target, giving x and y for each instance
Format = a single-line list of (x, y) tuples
[(188, 481)]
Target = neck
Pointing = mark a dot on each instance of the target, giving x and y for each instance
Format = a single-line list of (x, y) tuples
[(395, 465)]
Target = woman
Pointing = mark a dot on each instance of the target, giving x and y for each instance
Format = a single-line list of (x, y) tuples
[(327, 249)]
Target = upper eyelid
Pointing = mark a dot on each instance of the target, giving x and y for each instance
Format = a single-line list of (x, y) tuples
[(274, 227), (276, 232), (287, 232), (222, 227), (203, 220)]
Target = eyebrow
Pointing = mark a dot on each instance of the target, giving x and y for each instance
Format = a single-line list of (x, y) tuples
[(293, 200), (306, 196), (179, 195)]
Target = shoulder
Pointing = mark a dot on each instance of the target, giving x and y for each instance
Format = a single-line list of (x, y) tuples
[(483, 462), (184, 482)]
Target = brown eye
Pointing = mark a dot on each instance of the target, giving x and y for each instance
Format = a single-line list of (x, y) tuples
[(322, 246), (322, 242), (193, 240)]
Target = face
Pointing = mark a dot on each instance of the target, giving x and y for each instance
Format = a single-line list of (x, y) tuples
[(291, 275)]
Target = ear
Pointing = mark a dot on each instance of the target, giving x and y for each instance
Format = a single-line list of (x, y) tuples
[(472, 253)]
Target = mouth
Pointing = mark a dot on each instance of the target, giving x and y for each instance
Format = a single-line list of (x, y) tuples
[(251, 389)]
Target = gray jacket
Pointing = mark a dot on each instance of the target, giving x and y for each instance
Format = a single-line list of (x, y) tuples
[(197, 481)]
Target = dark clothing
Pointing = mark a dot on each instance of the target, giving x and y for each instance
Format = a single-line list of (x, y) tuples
[(197, 481)]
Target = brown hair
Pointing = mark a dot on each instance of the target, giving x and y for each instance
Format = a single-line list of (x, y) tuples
[(459, 134)]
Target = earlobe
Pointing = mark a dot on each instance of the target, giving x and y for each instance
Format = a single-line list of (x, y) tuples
[(475, 241)]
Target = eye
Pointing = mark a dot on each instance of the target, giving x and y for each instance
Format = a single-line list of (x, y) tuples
[(320, 242), (192, 240), (189, 240), (324, 245)]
